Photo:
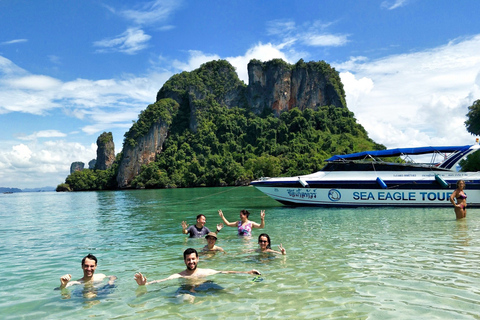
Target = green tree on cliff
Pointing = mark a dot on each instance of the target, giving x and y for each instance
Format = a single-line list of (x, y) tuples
[(472, 163)]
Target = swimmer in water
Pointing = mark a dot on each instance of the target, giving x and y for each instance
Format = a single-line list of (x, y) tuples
[(461, 200), (211, 247), (89, 265), (264, 244), (244, 225), (198, 230), (190, 257)]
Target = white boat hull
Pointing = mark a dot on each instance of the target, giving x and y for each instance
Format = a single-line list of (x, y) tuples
[(366, 197)]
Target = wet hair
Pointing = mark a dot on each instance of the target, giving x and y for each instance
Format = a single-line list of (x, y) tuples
[(245, 212), (201, 215), (459, 181), (91, 257), (188, 252), (268, 238)]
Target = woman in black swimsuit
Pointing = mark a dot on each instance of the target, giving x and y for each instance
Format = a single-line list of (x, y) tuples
[(461, 200)]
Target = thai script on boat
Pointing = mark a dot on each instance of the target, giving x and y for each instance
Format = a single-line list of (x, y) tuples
[(402, 195), (302, 193)]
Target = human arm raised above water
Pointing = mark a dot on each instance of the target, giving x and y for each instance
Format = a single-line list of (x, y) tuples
[(230, 224), (262, 224), (184, 227)]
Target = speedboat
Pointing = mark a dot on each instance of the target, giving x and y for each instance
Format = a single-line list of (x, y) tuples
[(380, 178)]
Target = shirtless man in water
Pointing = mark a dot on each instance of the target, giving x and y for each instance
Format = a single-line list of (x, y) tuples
[(190, 257), (89, 264)]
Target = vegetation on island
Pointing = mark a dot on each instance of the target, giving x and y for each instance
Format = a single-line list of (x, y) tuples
[(92, 179), (472, 163), (230, 146), (233, 147)]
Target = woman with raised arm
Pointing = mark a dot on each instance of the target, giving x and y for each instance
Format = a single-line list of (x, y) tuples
[(244, 225), (264, 245)]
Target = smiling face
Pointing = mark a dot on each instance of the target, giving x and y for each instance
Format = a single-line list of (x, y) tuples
[(263, 243), (201, 221), (211, 241), (89, 267), (191, 261)]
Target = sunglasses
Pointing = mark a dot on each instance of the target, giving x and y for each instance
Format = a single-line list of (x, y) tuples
[(262, 241)]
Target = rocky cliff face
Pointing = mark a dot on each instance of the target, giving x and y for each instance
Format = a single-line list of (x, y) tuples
[(76, 166), (142, 153), (92, 163), (280, 87), (105, 151)]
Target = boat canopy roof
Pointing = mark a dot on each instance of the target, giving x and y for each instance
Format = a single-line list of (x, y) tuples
[(399, 152)]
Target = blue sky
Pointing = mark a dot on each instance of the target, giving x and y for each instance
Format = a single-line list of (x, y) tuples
[(70, 70)]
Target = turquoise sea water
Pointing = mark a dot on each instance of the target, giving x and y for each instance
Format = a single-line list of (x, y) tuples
[(361, 263)]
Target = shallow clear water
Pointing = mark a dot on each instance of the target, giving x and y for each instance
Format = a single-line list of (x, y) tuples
[(361, 263)]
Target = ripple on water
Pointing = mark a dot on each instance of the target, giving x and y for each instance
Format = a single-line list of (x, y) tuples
[(341, 263)]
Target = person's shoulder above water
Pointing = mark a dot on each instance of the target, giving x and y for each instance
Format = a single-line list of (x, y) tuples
[(264, 244), (89, 265), (198, 229), (190, 257)]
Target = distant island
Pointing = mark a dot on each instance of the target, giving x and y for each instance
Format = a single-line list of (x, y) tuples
[(207, 128), (13, 190), (9, 190)]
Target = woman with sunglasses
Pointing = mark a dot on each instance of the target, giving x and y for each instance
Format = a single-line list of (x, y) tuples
[(264, 243)]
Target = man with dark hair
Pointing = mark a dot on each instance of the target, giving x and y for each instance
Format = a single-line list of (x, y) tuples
[(198, 230), (190, 257), (89, 265)]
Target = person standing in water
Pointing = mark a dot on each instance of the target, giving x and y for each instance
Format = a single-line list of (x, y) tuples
[(244, 225), (198, 230), (460, 197)]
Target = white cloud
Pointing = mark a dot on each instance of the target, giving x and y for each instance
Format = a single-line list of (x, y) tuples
[(14, 41), (195, 60), (152, 12), (35, 82), (312, 34), (394, 4), (415, 99), (324, 40), (107, 101), (129, 42), (24, 165), (43, 134)]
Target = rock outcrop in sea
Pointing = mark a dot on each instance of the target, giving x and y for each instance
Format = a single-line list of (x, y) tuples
[(105, 151)]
